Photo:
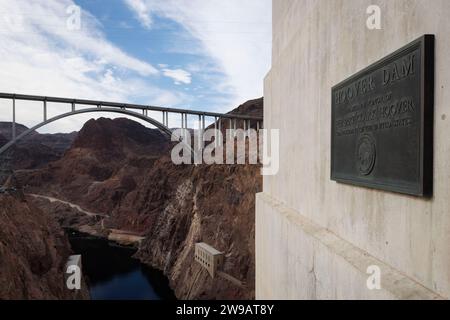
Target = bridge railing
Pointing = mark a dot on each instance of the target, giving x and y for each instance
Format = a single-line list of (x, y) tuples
[(165, 111), (245, 121)]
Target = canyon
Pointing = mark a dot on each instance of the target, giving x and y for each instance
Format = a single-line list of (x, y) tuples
[(121, 173), (33, 252)]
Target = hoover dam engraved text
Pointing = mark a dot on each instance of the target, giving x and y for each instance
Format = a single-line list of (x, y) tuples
[(378, 123)]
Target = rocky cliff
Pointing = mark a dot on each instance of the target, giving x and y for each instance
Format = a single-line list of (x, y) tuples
[(35, 150), (105, 162), (212, 204), (178, 206), (122, 169), (33, 253)]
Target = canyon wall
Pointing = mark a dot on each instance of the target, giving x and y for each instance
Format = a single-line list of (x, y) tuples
[(33, 253), (123, 170), (35, 150), (212, 204)]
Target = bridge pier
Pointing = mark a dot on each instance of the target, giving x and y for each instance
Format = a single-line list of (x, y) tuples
[(45, 110), (201, 124), (14, 120), (165, 118), (217, 131), (102, 106)]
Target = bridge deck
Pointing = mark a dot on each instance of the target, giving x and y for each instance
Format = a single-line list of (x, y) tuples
[(127, 109), (98, 103)]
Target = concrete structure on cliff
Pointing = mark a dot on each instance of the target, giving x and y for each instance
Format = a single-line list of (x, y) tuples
[(213, 260), (208, 257), (319, 239)]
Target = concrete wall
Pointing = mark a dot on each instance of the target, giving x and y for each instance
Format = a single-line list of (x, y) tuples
[(315, 237)]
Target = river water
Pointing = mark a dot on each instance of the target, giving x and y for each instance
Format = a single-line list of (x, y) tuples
[(112, 273)]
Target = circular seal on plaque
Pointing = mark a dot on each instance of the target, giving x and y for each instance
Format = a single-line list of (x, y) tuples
[(365, 154)]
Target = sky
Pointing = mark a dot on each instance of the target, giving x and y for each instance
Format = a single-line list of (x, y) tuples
[(195, 54)]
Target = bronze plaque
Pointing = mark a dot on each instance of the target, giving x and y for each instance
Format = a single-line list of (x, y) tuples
[(382, 123)]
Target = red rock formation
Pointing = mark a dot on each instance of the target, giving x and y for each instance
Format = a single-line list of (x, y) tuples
[(120, 168), (183, 205), (33, 253), (36, 150), (102, 166)]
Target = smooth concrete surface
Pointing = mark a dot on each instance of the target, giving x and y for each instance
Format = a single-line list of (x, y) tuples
[(314, 263), (317, 44)]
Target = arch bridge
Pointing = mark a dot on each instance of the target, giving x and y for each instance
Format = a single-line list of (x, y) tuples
[(134, 110)]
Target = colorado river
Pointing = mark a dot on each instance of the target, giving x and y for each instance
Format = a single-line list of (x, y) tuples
[(113, 274)]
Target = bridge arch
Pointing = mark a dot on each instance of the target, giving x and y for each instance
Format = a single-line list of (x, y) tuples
[(148, 119)]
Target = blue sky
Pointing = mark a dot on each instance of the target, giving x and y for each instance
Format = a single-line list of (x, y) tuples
[(197, 54), (166, 46)]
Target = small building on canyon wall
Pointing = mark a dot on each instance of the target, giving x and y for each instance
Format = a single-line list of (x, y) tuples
[(208, 257), (367, 217)]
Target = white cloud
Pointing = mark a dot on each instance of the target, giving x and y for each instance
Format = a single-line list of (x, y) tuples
[(236, 33), (40, 55), (178, 75), (141, 10)]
